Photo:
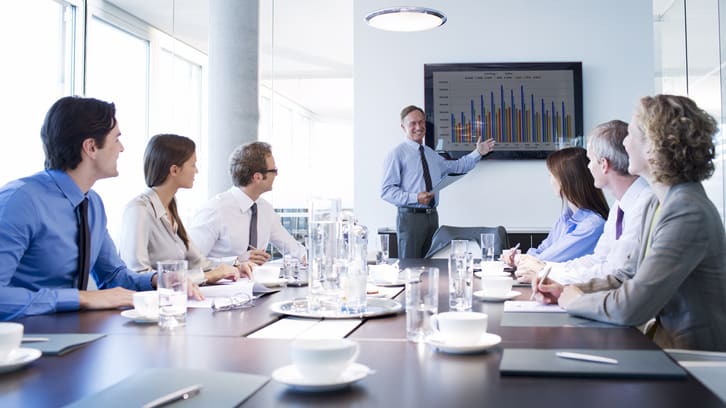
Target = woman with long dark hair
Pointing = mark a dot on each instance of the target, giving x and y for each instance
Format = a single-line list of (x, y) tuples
[(152, 230), (580, 225)]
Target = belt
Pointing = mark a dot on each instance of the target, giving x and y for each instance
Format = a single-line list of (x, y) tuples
[(417, 210)]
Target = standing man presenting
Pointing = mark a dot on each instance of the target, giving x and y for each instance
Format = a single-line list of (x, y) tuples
[(410, 172)]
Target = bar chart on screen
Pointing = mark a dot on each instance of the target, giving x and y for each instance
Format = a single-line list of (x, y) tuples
[(523, 107)]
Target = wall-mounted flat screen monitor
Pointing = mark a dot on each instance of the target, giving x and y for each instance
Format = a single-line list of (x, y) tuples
[(530, 109)]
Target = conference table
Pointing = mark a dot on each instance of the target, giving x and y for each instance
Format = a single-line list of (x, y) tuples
[(406, 374)]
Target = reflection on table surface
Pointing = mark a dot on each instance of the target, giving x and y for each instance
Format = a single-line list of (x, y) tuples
[(406, 374)]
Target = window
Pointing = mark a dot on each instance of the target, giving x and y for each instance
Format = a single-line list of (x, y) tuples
[(32, 81), (117, 70)]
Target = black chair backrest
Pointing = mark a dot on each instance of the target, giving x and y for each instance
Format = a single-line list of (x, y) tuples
[(443, 236)]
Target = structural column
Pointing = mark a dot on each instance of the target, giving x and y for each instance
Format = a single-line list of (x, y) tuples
[(233, 83)]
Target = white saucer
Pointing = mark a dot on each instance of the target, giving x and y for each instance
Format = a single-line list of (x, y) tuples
[(486, 341), (289, 375), (481, 274), (134, 315), (273, 283), (18, 358), (481, 296), (388, 284)]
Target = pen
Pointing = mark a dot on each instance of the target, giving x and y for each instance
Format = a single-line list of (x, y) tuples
[(178, 395), (34, 339), (586, 357), (539, 282)]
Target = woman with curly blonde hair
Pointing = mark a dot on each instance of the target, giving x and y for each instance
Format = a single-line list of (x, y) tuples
[(680, 264)]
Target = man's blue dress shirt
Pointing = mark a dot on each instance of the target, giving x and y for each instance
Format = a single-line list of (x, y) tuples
[(573, 235), (39, 247), (403, 175)]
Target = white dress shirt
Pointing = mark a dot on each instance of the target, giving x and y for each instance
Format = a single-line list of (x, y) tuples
[(221, 228), (148, 237), (610, 254)]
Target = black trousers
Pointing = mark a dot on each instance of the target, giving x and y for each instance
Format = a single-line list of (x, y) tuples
[(415, 231)]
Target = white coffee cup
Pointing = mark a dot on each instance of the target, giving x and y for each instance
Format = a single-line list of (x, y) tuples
[(496, 286), (323, 359), (383, 273), (492, 267), (266, 273), (146, 303), (460, 327), (11, 334)]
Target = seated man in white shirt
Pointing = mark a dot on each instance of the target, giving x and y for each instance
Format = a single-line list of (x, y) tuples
[(224, 228), (609, 168)]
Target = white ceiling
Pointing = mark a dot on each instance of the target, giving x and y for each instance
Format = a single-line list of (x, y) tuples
[(311, 67)]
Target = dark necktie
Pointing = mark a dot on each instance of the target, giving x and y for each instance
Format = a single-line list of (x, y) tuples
[(619, 224), (253, 226), (84, 245), (426, 173)]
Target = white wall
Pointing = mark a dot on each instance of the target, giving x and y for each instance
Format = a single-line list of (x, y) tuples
[(613, 39)]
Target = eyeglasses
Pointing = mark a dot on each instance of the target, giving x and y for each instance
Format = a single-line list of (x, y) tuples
[(265, 171), (234, 302)]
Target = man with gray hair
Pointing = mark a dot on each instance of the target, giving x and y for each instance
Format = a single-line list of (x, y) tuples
[(238, 223), (609, 168)]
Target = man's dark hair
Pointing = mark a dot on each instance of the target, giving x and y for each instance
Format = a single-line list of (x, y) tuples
[(69, 122)]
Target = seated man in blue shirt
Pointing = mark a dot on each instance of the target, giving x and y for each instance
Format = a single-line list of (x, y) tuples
[(42, 250)]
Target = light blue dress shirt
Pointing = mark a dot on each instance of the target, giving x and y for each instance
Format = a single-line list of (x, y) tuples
[(39, 248), (573, 235), (403, 174)]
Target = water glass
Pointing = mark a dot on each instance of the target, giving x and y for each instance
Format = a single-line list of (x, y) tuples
[(172, 288), (459, 247), (382, 254), (353, 284), (422, 301), (290, 267), (461, 283), (487, 247)]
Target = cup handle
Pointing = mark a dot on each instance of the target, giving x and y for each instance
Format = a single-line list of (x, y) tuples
[(435, 323)]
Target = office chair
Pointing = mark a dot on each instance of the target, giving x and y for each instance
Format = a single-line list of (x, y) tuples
[(441, 241)]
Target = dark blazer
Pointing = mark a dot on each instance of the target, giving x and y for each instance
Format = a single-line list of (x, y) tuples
[(680, 278)]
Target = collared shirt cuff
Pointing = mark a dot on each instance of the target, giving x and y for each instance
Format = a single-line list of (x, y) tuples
[(145, 281), (68, 300)]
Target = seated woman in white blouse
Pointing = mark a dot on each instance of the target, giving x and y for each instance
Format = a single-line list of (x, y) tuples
[(152, 230)]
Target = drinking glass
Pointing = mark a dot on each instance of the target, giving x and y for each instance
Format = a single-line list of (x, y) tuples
[(487, 247), (459, 247), (382, 255), (172, 288), (460, 282), (422, 301)]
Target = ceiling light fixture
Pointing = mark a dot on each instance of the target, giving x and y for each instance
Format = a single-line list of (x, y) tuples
[(405, 18)]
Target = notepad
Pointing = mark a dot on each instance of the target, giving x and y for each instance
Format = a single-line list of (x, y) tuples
[(534, 319), (59, 344), (219, 388), (631, 364), (531, 306)]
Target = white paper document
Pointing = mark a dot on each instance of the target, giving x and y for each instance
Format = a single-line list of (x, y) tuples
[(224, 289), (302, 328), (445, 181), (531, 306)]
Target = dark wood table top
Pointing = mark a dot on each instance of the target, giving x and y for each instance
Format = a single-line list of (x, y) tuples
[(407, 374)]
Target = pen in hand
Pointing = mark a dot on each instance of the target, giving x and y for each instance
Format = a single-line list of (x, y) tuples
[(538, 284)]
